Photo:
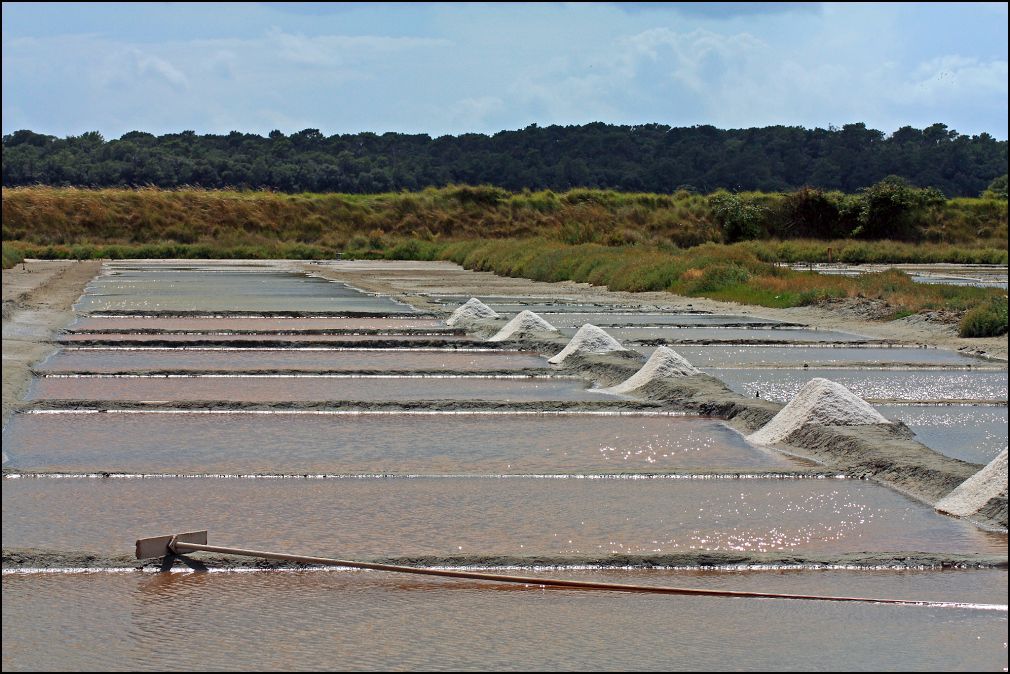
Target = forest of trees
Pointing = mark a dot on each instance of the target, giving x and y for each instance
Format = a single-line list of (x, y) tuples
[(646, 158)]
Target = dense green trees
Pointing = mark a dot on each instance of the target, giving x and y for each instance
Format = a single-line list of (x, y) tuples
[(646, 158)]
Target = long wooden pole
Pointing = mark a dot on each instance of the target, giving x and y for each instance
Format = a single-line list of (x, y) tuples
[(181, 547)]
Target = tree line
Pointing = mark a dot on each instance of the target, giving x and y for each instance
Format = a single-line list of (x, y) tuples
[(644, 158)]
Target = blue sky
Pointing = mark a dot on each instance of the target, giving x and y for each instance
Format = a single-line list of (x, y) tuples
[(454, 68)]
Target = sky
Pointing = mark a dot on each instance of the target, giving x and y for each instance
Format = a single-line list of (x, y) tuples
[(457, 68)]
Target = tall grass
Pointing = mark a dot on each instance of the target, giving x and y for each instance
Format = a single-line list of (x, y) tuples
[(233, 219), (12, 255), (730, 273)]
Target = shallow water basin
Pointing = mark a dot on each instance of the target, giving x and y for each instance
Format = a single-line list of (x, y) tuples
[(645, 319), (913, 385), (230, 338), (429, 443), (375, 621), (260, 324), (675, 335), (237, 359), (967, 432), (306, 388), (369, 516), (189, 290), (832, 356)]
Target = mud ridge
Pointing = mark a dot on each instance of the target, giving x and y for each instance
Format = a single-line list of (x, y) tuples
[(43, 559), (730, 474)]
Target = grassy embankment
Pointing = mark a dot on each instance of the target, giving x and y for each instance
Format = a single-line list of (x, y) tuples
[(624, 241)]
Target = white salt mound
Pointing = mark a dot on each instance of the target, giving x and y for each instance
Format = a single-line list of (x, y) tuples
[(589, 339), (969, 496), (664, 362), (525, 324), (820, 401), (472, 310)]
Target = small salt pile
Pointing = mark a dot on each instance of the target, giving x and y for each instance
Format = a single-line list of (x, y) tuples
[(664, 362), (472, 310), (971, 495), (589, 339), (526, 325), (820, 401)]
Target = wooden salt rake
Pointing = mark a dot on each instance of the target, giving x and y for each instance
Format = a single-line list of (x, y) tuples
[(196, 541)]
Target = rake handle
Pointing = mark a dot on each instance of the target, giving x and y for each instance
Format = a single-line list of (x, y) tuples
[(179, 547)]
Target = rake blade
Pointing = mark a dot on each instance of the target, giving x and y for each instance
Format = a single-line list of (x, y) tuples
[(158, 546)]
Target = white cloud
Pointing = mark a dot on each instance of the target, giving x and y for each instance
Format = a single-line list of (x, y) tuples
[(336, 50)]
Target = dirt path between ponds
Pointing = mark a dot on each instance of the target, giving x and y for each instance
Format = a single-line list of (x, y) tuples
[(38, 297), (416, 282)]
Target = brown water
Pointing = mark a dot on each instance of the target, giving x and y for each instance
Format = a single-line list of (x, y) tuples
[(364, 620), (366, 516), (127, 324), (391, 444), (310, 388), (210, 359)]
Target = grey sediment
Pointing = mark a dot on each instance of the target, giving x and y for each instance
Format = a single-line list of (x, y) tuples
[(40, 559)]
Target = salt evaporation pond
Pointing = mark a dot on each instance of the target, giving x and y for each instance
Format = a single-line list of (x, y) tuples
[(373, 516), (375, 621), (742, 356), (261, 323), (911, 385), (378, 443), (295, 341), (99, 359), (674, 335), (614, 319), (968, 432), (154, 289), (311, 388)]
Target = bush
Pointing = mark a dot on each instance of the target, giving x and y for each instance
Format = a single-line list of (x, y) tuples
[(893, 209), (11, 255), (985, 320), (718, 277), (812, 213), (738, 219)]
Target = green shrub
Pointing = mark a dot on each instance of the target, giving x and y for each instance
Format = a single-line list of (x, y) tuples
[(739, 220), (719, 277), (986, 320), (11, 255)]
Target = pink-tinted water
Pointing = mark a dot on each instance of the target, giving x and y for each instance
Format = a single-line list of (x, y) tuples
[(363, 620), (367, 516), (183, 339), (125, 360), (309, 389), (126, 324), (389, 444)]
